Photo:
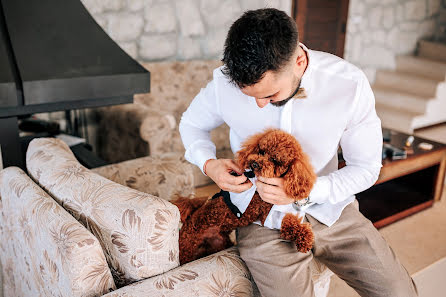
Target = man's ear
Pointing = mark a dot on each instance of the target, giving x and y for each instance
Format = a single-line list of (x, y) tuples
[(300, 61), (299, 179)]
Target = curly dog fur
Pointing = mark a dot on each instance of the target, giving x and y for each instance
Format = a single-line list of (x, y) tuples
[(207, 223)]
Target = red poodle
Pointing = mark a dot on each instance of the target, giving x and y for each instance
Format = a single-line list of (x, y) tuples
[(207, 223)]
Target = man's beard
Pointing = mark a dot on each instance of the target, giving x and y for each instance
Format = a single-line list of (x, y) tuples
[(284, 101)]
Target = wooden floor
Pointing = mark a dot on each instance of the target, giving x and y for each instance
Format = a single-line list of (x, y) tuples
[(207, 190)]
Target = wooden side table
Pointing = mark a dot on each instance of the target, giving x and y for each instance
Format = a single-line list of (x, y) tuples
[(405, 186)]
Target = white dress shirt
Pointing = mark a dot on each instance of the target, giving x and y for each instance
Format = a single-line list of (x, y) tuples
[(339, 110)]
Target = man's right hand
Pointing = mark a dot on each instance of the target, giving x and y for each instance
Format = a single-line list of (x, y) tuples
[(220, 172)]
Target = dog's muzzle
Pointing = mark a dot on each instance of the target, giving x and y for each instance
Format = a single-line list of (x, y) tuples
[(249, 174)]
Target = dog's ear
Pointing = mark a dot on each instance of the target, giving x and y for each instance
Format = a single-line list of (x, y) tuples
[(300, 178), (249, 146)]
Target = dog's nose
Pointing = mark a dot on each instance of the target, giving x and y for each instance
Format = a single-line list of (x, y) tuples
[(255, 165)]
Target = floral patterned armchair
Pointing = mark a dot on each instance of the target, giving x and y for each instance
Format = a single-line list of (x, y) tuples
[(68, 231), (149, 126)]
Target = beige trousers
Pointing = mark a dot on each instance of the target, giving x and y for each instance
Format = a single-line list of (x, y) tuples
[(352, 248)]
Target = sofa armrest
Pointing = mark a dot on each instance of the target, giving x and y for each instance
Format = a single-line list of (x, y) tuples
[(219, 274), (160, 130), (167, 176), (138, 231)]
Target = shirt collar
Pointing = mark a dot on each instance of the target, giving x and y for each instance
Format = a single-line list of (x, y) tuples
[(306, 77)]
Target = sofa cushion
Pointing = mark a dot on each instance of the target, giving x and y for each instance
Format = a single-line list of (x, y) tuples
[(138, 231), (173, 87), (44, 250)]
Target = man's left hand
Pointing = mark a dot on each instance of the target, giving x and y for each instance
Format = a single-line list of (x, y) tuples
[(271, 190)]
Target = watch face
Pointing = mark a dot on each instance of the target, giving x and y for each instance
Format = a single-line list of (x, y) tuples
[(302, 202)]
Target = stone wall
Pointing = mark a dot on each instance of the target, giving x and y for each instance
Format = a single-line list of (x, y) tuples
[(159, 30), (165, 30), (168, 30), (152, 30), (378, 30)]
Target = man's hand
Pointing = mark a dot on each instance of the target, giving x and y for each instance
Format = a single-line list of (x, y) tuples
[(220, 172), (271, 190)]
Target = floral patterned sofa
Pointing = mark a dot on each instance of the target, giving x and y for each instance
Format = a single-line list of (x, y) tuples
[(68, 231)]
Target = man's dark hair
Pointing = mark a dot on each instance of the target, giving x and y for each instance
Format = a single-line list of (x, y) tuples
[(260, 40)]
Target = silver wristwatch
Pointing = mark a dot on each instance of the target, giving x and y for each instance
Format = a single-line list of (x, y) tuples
[(302, 202)]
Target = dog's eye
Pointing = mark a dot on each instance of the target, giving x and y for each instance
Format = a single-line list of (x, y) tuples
[(275, 161), (261, 152)]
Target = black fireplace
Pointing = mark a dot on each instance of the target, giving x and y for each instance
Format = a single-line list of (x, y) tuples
[(54, 56)]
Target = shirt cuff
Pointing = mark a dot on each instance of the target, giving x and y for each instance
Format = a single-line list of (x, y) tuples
[(199, 152), (321, 190), (203, 160)]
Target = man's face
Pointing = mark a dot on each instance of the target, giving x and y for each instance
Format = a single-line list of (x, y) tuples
[(278, 87)]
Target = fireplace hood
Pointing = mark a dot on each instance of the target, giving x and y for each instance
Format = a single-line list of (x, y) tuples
[(54, 56)]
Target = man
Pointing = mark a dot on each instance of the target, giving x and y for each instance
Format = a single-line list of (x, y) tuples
[(269, 79)]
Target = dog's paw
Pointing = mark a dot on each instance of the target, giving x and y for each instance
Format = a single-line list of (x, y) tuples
[(300, 233)]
